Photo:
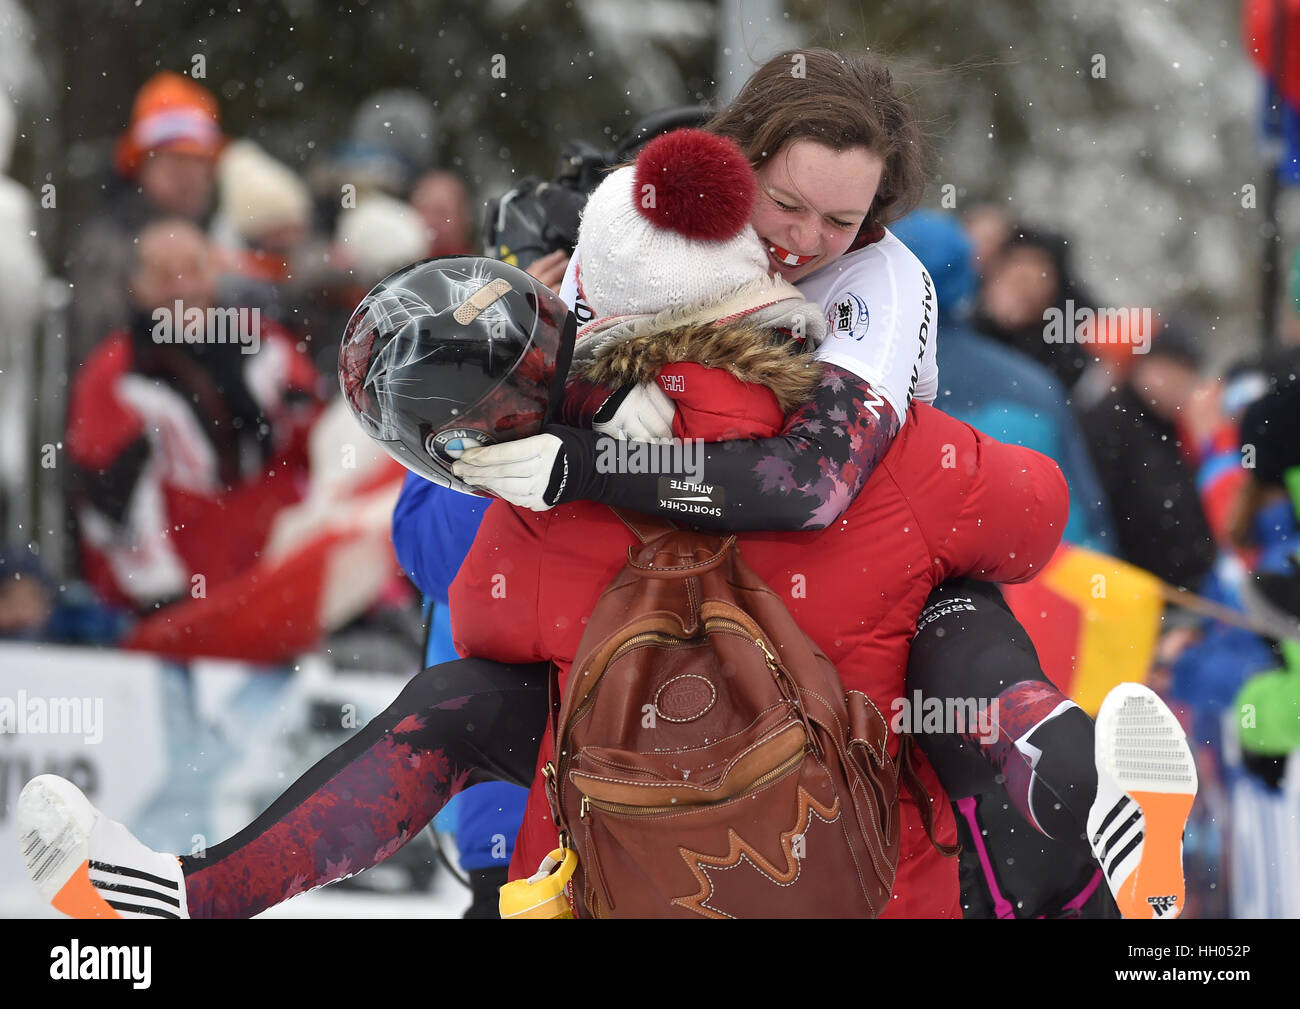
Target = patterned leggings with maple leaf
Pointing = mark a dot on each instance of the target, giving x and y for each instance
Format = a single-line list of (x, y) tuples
[(454, 725)]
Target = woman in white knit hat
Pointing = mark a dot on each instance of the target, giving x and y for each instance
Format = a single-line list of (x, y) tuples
[(263, 213), (837, 155)]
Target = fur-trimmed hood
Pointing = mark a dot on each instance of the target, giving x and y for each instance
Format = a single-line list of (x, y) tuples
[(746, 351), (768, 302), (736, 332)]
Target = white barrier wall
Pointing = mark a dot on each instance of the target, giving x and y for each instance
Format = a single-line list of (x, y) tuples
[(184, 756), (1265, 854), (118, 759), (1263, 836)]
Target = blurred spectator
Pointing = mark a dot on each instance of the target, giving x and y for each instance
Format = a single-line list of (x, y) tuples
[(263, 232), (184, 450), (371, 241), (164, 167), (1270, 432), (1229, 504), (1269, 705), (1289, 329), (32, 609), (1112, 354), (442, 199), (1145, 456), (1028, 276), (1209, 663), (392, 140), (20, 307), (263, 212), (378, 237), (996, 388), (989, 226), (26, 595)]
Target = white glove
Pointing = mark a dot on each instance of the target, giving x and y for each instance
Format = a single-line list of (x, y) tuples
[(516, 471), (646, 414)]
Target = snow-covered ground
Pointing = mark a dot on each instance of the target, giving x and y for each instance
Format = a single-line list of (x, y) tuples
[(447, 899)]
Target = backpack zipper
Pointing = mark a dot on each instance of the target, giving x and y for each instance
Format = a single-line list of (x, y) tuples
[(736, 627), (635, 641), (672, 641), (622, 809), (783, 674)]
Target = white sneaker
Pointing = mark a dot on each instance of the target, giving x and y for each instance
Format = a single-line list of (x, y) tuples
[(89, 866), (1146, 783)]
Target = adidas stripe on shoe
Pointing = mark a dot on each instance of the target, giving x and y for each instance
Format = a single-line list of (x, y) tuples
[(89, 866), (1146, 783)]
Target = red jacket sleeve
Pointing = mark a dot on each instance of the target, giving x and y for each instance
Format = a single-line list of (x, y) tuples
[(100, 424), (493, 600), (1011, 517), (714, 405)]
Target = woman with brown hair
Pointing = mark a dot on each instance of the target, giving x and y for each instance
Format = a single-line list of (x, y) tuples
[(838, 156)]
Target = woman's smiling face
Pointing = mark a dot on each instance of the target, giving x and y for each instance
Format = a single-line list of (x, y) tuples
[(811, 202)]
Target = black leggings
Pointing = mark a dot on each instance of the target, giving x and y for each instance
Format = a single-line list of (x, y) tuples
[(1029, 761), (1033, 741)]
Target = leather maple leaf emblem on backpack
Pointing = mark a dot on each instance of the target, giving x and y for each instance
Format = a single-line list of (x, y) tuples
[(711, 871)]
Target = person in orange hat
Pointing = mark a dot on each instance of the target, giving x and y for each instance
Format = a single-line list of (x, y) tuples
[(164, 165), (172, 144)]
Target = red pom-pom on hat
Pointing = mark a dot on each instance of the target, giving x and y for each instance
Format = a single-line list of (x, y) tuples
[(704, 187)]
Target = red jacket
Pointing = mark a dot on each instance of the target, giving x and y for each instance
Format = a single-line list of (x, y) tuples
[(154, 506), (945, 501)]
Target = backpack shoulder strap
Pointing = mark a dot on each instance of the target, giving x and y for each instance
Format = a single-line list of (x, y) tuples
[(924, 801)]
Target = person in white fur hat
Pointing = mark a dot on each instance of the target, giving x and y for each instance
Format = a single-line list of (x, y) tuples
[(379, 236), (672, 230), (261, 200)]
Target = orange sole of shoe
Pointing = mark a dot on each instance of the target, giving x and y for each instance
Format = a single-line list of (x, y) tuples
[(1158, 879), (78, 898)]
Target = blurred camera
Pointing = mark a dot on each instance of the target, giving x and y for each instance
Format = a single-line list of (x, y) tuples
[(536, 218)]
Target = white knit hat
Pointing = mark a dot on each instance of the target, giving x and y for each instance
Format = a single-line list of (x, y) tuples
[(380, 235), (672, 230), (258, 193)]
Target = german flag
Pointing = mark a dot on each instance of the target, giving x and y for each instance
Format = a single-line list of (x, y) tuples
[(1094, 622)]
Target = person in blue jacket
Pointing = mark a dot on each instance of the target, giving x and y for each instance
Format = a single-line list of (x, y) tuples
[(998, 389), (433, 528)]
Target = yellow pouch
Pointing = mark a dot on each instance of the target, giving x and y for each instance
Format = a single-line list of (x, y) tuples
[(541, 895)]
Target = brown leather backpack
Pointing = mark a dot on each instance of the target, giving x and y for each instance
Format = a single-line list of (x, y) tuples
[(708, 760)]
